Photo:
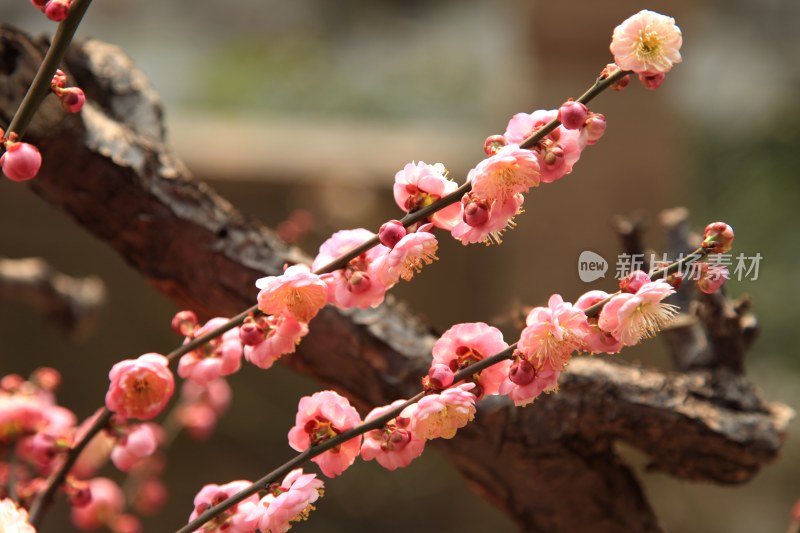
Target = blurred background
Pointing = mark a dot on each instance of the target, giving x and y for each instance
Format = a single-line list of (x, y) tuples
[(315, 104)]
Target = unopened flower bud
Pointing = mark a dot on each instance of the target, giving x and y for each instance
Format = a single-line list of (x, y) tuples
[(250, 333), (47, 378), (56, 10), (72, 99), (612, 69), (440, 376), (43, 447), (11, 382), (59, 78), (634, 281), (594, 127), (651, 81), (126, 523), (493, 143), (712, 277), (391, 233), (79, 493), (476, 214), (572, 115), (675, 279), (521, 372), (184, 322), (718, 238), (359, 282), (21, 161)]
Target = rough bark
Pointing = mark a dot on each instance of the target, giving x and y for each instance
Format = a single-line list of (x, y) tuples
[(551, 466)]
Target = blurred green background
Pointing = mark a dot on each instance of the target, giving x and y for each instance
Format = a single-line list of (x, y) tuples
[(315, 104)]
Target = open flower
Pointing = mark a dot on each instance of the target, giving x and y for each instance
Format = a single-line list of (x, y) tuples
[(221, 356), (140, 388), (282, 334), (13, 518), (286, 502), (486, 222), (103, 509), (633, 317), (297, 293), (394, 445), (553, 333), (139, 442), (236, 519), (597, 340), (647, 42), (418, 185), (441, 415), (525, 386), (511, 170), (408, 256)]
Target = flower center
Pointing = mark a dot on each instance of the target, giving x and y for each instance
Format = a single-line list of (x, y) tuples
[(649, 44)]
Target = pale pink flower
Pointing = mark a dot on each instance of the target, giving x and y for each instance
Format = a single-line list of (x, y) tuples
[(419, 185), (544, 379), (140, 388), (557, 152), (408, 256), (297, 293), (20, 414), (201, 405), (633, 317), (712, 277), (139, 442), (465, 344), (441, 415), (287, 502), (21, 161), (394, 445), (14, 519), (221, 356), (488, 228), (282, 336), (321, 417), (647, 42), (597, 340), (106, 505), (358, 284), (553, 333), (233, 520), (510, 171)]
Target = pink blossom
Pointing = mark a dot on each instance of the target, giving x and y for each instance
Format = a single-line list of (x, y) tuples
[(221, 356), (233, 520), (287, 502), (297, 293), (712, 277), (553, 333), (557, 152), (647, 42), (505, 174), (13, 518), (201, 405), (394, 445), (718, 238), (597, 340), (357, 284), (321, 417), (464, 345), (57, 10), (634, 281), (391, 232), (544, 379), (140, 388), (633, 317), (106, 505), (487, 229), (282, 335), (139, 442), (651, 81), (419, 185), (20, 414), (21, 161), (594, 128), (441, 415), (572, 114), (408, 256), (72, 99)]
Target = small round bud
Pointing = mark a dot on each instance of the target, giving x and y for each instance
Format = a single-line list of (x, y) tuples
[(21, 161), (184, 322), (718, 238), (572, 115), (126, 523), (594, 127), (250, 333), (493, 143), (476, 214), (47, 378), (634, 281), (359, 282), (391, 233), (712, 277), (675, 279), (440, 376), (11, 382), (651, 81), (72, 99), (43, 447), (79, 493), (612, 69), (521, 372), (56, 10)]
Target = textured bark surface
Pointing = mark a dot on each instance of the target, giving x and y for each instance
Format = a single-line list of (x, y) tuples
[(551, 466)]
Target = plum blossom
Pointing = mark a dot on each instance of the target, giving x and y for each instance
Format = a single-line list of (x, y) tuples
[(465, 344), (441, 415), (419, 184), (103, 508), (287, 502), (21, 162), (321, 417), (553, 333), (482, 222), (633, 317), (221, 356), (394, 445), (712, 277), (597, 340), (408, 256), (137, 443), (524, 382), (201, 405), (140, 388), (236, 519), (282, 334), (510, 171), (13, 518), (718, 238), (647, 42), (297, 293), (358, 284)]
